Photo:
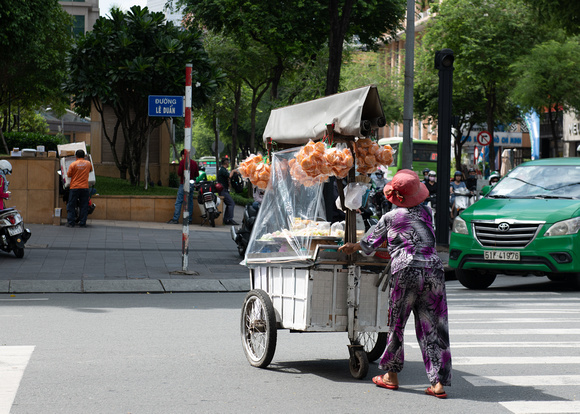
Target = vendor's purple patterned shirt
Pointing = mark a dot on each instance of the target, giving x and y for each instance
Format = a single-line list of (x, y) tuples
[(410, 236)]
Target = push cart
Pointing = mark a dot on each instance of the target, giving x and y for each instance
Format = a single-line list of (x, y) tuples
[(299, 280)]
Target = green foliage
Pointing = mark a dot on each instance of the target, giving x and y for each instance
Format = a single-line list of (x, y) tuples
[(32, 140), (241, 199), (117, 186), (364, 69), (549, 76), (126, 58), (173, 180), (563, 14), (35, 36)]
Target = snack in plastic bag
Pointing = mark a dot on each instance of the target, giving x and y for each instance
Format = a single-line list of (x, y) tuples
[(254, 169), (340, 161), (312, 161), (369, 155), (337, 229), (301, 177)]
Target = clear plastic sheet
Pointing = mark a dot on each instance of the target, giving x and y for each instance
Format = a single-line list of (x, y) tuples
[(291, 221)]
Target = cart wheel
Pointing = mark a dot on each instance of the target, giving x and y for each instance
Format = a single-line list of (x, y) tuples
[(374, 343), (358, 364), (258, 328)]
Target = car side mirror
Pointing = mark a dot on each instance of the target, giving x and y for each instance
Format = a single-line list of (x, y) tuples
[(485, 190)]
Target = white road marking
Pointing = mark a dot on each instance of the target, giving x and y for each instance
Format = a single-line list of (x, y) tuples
[(542, 407), (515, 300), (18, 299), (515, 331), (513, 320), (13, 361), (470, 311), (455, 345), (523, 380), (495, 360)]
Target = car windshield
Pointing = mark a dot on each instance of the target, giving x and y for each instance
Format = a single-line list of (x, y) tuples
[(539, 181)]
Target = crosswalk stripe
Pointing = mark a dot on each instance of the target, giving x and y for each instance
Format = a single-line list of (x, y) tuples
[(470, 311), (457, 345), (542, 407), (523, 380), (13, 361), (517, 331), (495, 360)]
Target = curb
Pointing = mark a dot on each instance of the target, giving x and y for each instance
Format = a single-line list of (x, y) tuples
[(124, 286)]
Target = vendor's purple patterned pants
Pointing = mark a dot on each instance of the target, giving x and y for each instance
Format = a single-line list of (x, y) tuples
[(421, 291)]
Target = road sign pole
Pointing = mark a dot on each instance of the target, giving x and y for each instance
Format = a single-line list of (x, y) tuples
[(186, 172)]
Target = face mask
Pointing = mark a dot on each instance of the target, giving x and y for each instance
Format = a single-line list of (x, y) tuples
[(431, 178)]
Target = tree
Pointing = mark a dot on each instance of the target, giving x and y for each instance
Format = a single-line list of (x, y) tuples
[(126, 58), (558, 13), (486, 36), (35, 36), (295, 32), (548, 78)]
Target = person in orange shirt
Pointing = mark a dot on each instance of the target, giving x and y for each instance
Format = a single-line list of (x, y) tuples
[(79, 190)]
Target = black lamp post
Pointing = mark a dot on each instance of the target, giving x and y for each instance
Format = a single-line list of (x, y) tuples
[(444, 63)]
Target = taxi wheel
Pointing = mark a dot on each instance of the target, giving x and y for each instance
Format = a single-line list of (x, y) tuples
[(475, 278)]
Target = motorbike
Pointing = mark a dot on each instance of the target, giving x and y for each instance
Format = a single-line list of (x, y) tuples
[(378, 203), (462, 201), (241, 235), (208, 201), (431, 201), (13, 234), (65, 193)]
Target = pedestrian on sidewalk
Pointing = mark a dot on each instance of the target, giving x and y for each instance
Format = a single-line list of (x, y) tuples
[(78, 172), (224, 177), (193, 173), (417, 283)]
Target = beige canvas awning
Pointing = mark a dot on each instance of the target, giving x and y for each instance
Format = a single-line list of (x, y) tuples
[(299, 123)]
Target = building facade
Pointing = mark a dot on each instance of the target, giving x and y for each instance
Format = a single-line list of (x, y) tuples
[(84, 12)]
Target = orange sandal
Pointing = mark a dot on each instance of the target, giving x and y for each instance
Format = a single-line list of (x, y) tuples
[(429, 391), (379, 380)]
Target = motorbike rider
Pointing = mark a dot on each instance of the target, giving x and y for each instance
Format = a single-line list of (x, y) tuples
[(493, 178), (202, 175), (431, 183), (471, 181), (456, 184), (425, 175), (379, 179), (5, 169)]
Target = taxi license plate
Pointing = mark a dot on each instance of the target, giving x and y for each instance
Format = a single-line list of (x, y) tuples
[(501, 255), (15, 230)]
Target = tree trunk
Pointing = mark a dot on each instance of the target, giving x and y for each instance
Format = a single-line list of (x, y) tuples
[(278, 70), (338, 27), (490, 113), (235, 120), (4, 142), (553, 120)]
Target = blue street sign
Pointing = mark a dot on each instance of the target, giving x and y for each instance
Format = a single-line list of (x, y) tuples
[(166, 106)]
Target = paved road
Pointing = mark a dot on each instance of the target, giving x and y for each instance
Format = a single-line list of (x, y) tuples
[(515, 348)]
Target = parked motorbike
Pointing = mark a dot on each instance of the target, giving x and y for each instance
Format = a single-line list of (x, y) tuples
[(13, 234), (241, 235), (208, 201), (64, 192)]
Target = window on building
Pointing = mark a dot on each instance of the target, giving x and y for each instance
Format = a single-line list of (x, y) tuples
[(78, 27)]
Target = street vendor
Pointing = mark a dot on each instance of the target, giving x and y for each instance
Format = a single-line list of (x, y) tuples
[(417, 283)]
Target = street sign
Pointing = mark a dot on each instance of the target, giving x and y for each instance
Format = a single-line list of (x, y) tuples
[(166, 106), (220, 147), (484, 138)]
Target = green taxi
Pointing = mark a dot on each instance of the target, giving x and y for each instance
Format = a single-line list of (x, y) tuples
[(527, 224)]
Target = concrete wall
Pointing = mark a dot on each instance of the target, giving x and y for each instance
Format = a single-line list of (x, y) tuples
[(34, 187)]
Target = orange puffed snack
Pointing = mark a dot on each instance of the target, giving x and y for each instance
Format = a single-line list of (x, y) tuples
[(339, 161), (254, 169), (369, 155), (301, 177), (312, 160)]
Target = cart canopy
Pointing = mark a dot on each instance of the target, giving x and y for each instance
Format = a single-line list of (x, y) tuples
[(299, 123)]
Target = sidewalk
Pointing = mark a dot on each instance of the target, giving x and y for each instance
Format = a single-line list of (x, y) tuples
[(116, 256), (126, 256)]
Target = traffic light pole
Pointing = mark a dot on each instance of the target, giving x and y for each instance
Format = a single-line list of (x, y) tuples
[(444, 63)]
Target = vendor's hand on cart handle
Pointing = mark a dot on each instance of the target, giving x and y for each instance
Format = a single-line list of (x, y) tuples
[(349, 248)]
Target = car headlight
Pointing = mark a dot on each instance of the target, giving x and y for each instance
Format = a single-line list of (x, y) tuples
[(565, 227), (459, 226)]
